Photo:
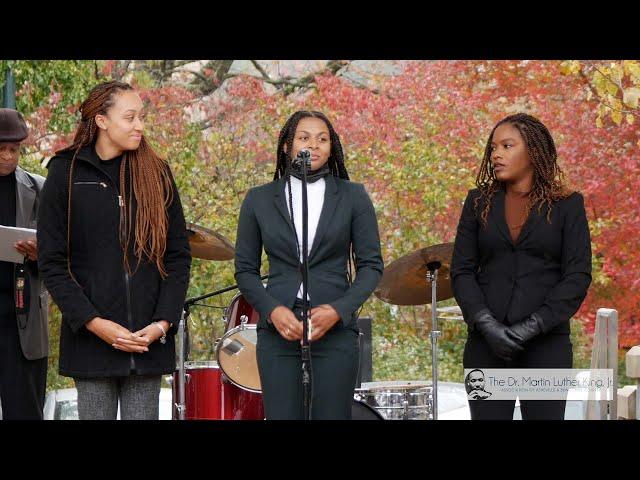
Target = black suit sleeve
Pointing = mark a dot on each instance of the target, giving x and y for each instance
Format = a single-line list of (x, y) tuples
[(369, 266), (177, 264), (567, 295), (76, 308), (464, 263), (248, 258)]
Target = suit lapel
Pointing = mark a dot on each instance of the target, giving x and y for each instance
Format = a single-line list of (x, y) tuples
[(331, 196), (281, 205), (497, 211), (531, 222), (25, 198)]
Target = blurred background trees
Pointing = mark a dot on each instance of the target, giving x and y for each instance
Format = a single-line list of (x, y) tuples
[(413, 133)]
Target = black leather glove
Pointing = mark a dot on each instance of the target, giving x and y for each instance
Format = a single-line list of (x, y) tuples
[(525, 330), (496, 335)]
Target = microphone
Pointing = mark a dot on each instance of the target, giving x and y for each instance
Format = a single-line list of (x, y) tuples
[(304, 155)]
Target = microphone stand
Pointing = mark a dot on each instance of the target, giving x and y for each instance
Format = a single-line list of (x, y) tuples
[(305, 156), (183, 346)]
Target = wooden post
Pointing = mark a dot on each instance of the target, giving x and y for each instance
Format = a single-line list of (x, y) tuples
[(627, 402), (612, 350), (604, 355), (632, 364)]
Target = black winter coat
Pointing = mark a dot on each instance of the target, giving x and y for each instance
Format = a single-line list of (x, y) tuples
[(104, 289)]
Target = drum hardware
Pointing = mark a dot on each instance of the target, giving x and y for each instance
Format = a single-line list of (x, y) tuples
[(236, 351), (182, 347), (432, 277), (232, 347), (403, 284)]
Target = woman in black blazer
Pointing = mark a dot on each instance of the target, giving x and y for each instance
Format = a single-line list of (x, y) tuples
[(521, 265), (341, 219)]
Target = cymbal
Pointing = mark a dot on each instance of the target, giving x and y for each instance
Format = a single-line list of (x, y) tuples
[(404, 280), (208, 244)]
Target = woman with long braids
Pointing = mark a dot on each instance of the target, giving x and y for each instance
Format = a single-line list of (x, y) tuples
[(521, 264), (115, 257), (341, 219)]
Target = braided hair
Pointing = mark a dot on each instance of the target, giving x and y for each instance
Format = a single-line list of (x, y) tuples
[(149, 178), (548, 179), (287, 134), (335, 163)]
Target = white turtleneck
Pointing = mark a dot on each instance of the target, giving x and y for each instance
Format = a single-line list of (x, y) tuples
[(315, 196)]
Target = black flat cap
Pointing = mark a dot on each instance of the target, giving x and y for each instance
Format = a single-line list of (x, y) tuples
[(12, 126)]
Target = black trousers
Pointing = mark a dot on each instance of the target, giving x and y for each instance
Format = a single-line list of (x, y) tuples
[(22, 381), (334, 372), (544, 351)]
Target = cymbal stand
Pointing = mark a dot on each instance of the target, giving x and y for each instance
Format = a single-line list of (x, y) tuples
[(432, 277)]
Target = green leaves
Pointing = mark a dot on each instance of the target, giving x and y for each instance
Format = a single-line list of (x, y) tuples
[(615, 84)]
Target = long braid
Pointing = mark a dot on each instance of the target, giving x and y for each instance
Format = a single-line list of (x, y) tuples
[(153, 191), (149, 178), (293, 224), (548, 179), (70, 183)]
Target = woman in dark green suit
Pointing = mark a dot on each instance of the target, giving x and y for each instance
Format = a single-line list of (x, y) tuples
[(341, 220)]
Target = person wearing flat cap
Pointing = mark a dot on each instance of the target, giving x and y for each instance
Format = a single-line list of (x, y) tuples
[(24, 336)]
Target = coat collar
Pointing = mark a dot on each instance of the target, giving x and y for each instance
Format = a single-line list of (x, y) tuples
[(25, 197)]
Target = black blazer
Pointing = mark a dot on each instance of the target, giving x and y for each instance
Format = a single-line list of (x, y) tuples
[(347, 215), (547, 271)]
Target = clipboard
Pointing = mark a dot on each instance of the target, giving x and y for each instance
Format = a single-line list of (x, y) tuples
[(9, 236)]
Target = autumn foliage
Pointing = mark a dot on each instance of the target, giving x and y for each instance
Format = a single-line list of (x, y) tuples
[(414, 138)]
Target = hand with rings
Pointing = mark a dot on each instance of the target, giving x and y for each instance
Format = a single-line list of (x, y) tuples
[(286, 322)]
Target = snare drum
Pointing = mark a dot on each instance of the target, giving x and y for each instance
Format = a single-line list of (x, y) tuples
[(398, 400), (236, 350)]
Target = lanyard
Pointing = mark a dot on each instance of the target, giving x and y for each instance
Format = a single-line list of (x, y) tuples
[(21, 295)]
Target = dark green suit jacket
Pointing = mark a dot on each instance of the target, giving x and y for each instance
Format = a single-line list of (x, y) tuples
[(347, 216)]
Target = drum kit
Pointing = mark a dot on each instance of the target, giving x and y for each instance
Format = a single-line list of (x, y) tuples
[(228, 388)]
